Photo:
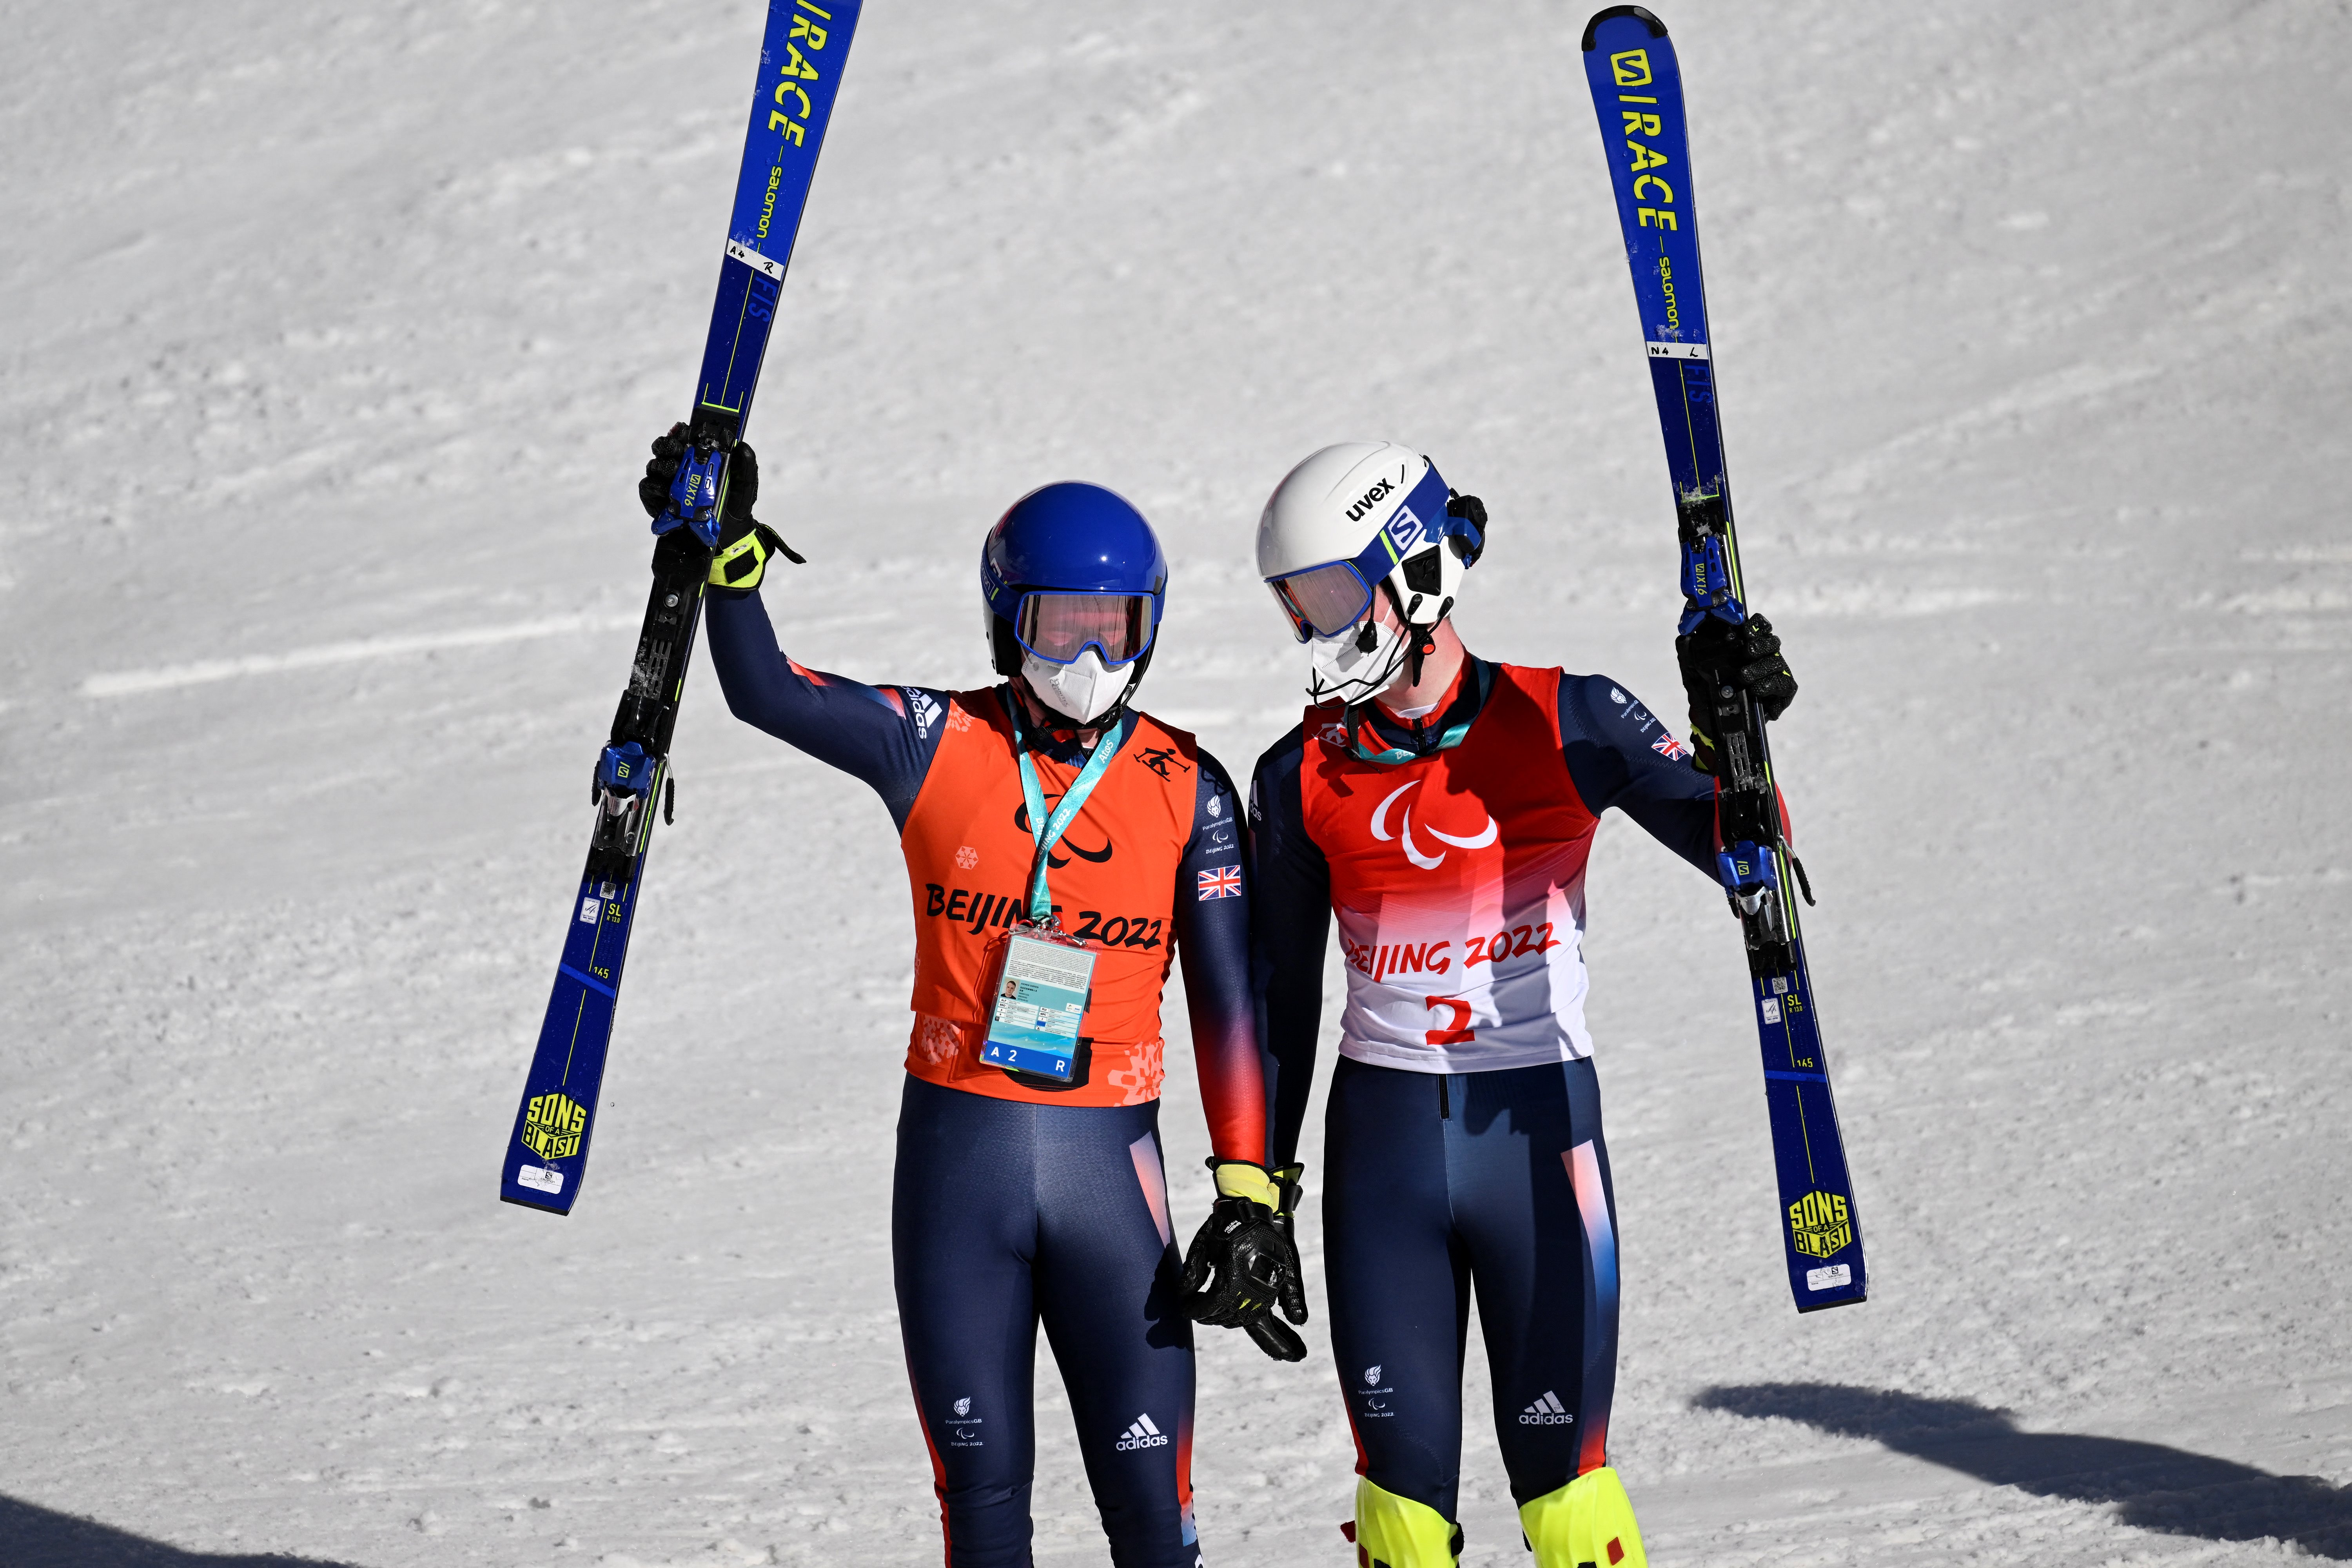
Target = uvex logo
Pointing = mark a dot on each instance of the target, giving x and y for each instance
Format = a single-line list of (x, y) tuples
[(1478, 840), (1365, 503)]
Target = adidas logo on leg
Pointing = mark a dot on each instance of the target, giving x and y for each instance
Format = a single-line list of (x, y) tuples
[(1547, 1412), (1142, 1435)]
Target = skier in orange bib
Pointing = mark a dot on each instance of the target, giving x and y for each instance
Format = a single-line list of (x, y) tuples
[(1061, 848)]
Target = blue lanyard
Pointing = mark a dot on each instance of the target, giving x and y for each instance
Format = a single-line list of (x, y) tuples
[(1048, 832)]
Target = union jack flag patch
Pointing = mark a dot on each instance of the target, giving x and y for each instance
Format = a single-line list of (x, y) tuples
[(1223, 882), (1669, 748)]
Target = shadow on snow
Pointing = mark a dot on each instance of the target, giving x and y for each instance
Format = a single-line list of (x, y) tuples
[(2152, 1487), (33, 1537)]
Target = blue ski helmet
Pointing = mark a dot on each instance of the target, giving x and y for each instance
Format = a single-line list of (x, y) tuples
[(1062, 541)]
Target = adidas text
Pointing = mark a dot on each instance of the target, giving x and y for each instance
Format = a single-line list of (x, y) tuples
[(1142, 1435), (1547, 1412)]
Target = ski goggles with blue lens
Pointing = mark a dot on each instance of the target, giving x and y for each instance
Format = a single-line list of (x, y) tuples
[(1326, 600), (1058, 627)]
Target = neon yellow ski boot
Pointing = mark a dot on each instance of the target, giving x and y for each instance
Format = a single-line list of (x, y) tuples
[(1393, 1532), (1588, 1523)]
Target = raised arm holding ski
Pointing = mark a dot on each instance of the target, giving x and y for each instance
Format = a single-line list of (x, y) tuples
[(1732, 670), (802, 51), (1049, 827)]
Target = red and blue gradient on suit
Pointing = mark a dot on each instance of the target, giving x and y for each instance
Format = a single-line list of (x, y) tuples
[(1458, 882)]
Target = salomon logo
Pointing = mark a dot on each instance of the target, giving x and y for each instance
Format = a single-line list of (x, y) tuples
[(1547, 1412), (1404, 532), (1372, 497), (1142, 1435)]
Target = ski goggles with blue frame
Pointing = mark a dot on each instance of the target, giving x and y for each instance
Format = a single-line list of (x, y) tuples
[(1326, 600), (1057, 627)]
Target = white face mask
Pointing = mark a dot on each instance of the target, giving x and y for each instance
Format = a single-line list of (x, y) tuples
[(1082, 690), (1340, 670)]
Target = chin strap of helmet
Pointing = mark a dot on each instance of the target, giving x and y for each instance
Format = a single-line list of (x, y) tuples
[(1464, 532), (1420, 637), (1116, 711)]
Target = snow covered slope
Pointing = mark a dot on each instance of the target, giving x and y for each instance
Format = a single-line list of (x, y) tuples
[(333, 338)]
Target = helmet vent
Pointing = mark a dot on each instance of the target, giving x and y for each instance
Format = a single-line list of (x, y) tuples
[(1422, 571)]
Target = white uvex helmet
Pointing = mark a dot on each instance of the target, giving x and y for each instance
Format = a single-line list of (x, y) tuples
[(1351, 521)]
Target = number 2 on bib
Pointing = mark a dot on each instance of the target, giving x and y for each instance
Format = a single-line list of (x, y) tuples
[(1457, 1030)]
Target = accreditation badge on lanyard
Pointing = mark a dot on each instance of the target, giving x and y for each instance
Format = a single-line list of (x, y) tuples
[(1043, 978), (1041, 984)]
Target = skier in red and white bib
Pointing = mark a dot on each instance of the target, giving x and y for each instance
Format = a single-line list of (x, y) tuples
[(1442, 807)]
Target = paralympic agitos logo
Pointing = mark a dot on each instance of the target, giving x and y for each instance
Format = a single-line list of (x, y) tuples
[(1055, 857), (1413, 851)]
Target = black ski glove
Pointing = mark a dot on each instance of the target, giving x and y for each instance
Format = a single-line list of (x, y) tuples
[(745, 544), (1290, 1181), (1243, 1261), (1746, 657)]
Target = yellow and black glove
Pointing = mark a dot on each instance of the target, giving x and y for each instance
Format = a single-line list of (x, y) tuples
[(741, 559), (1719, 661), (1244, 1262)]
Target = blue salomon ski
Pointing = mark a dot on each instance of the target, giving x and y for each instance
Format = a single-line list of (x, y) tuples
[(800, 70), (1637, 92)]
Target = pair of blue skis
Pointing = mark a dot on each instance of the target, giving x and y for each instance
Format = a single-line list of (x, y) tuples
[(1637, 92), (800, 56)]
